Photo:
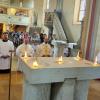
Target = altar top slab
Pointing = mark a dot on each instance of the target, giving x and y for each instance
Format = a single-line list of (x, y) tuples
[(50, 71), (50, 62)]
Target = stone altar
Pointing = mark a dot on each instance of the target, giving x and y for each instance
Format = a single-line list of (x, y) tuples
[(53, 81)]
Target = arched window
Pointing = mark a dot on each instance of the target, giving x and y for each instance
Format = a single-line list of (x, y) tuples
[(79, 11), (48, 1), (82, 9)]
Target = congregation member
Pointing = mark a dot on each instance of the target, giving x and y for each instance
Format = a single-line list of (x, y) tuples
[(16, 38), (44, 49), (6, 46), (41, 38)]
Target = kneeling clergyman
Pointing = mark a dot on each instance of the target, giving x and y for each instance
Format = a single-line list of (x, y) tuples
[(5, 47)]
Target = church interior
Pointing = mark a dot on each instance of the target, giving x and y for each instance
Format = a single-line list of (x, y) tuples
[(49, 50)]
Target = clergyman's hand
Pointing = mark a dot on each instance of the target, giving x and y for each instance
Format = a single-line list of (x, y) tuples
[(5, 57)]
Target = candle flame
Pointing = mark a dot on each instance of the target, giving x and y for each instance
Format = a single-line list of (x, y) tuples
[(35, 64)]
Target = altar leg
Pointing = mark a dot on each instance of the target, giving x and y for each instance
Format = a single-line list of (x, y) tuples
[(63, 91), (81, 90), (36, 91)]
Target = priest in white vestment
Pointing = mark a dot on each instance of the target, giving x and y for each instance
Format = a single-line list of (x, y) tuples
[(24, 48), (5, 47), (44, 49)]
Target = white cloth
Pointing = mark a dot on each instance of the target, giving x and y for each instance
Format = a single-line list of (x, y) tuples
[(98, 57), (5, 47), (20, 51), (43, 50)]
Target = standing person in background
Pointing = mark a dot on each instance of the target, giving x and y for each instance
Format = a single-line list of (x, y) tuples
[(41, 38), (16, 38), (5, 47)]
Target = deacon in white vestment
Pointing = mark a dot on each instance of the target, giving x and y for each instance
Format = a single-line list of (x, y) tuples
[(21, 49), (5, 47), (44, 49)]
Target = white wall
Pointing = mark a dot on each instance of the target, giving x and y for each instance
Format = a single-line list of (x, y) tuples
[(53, 4), (73, 30)]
